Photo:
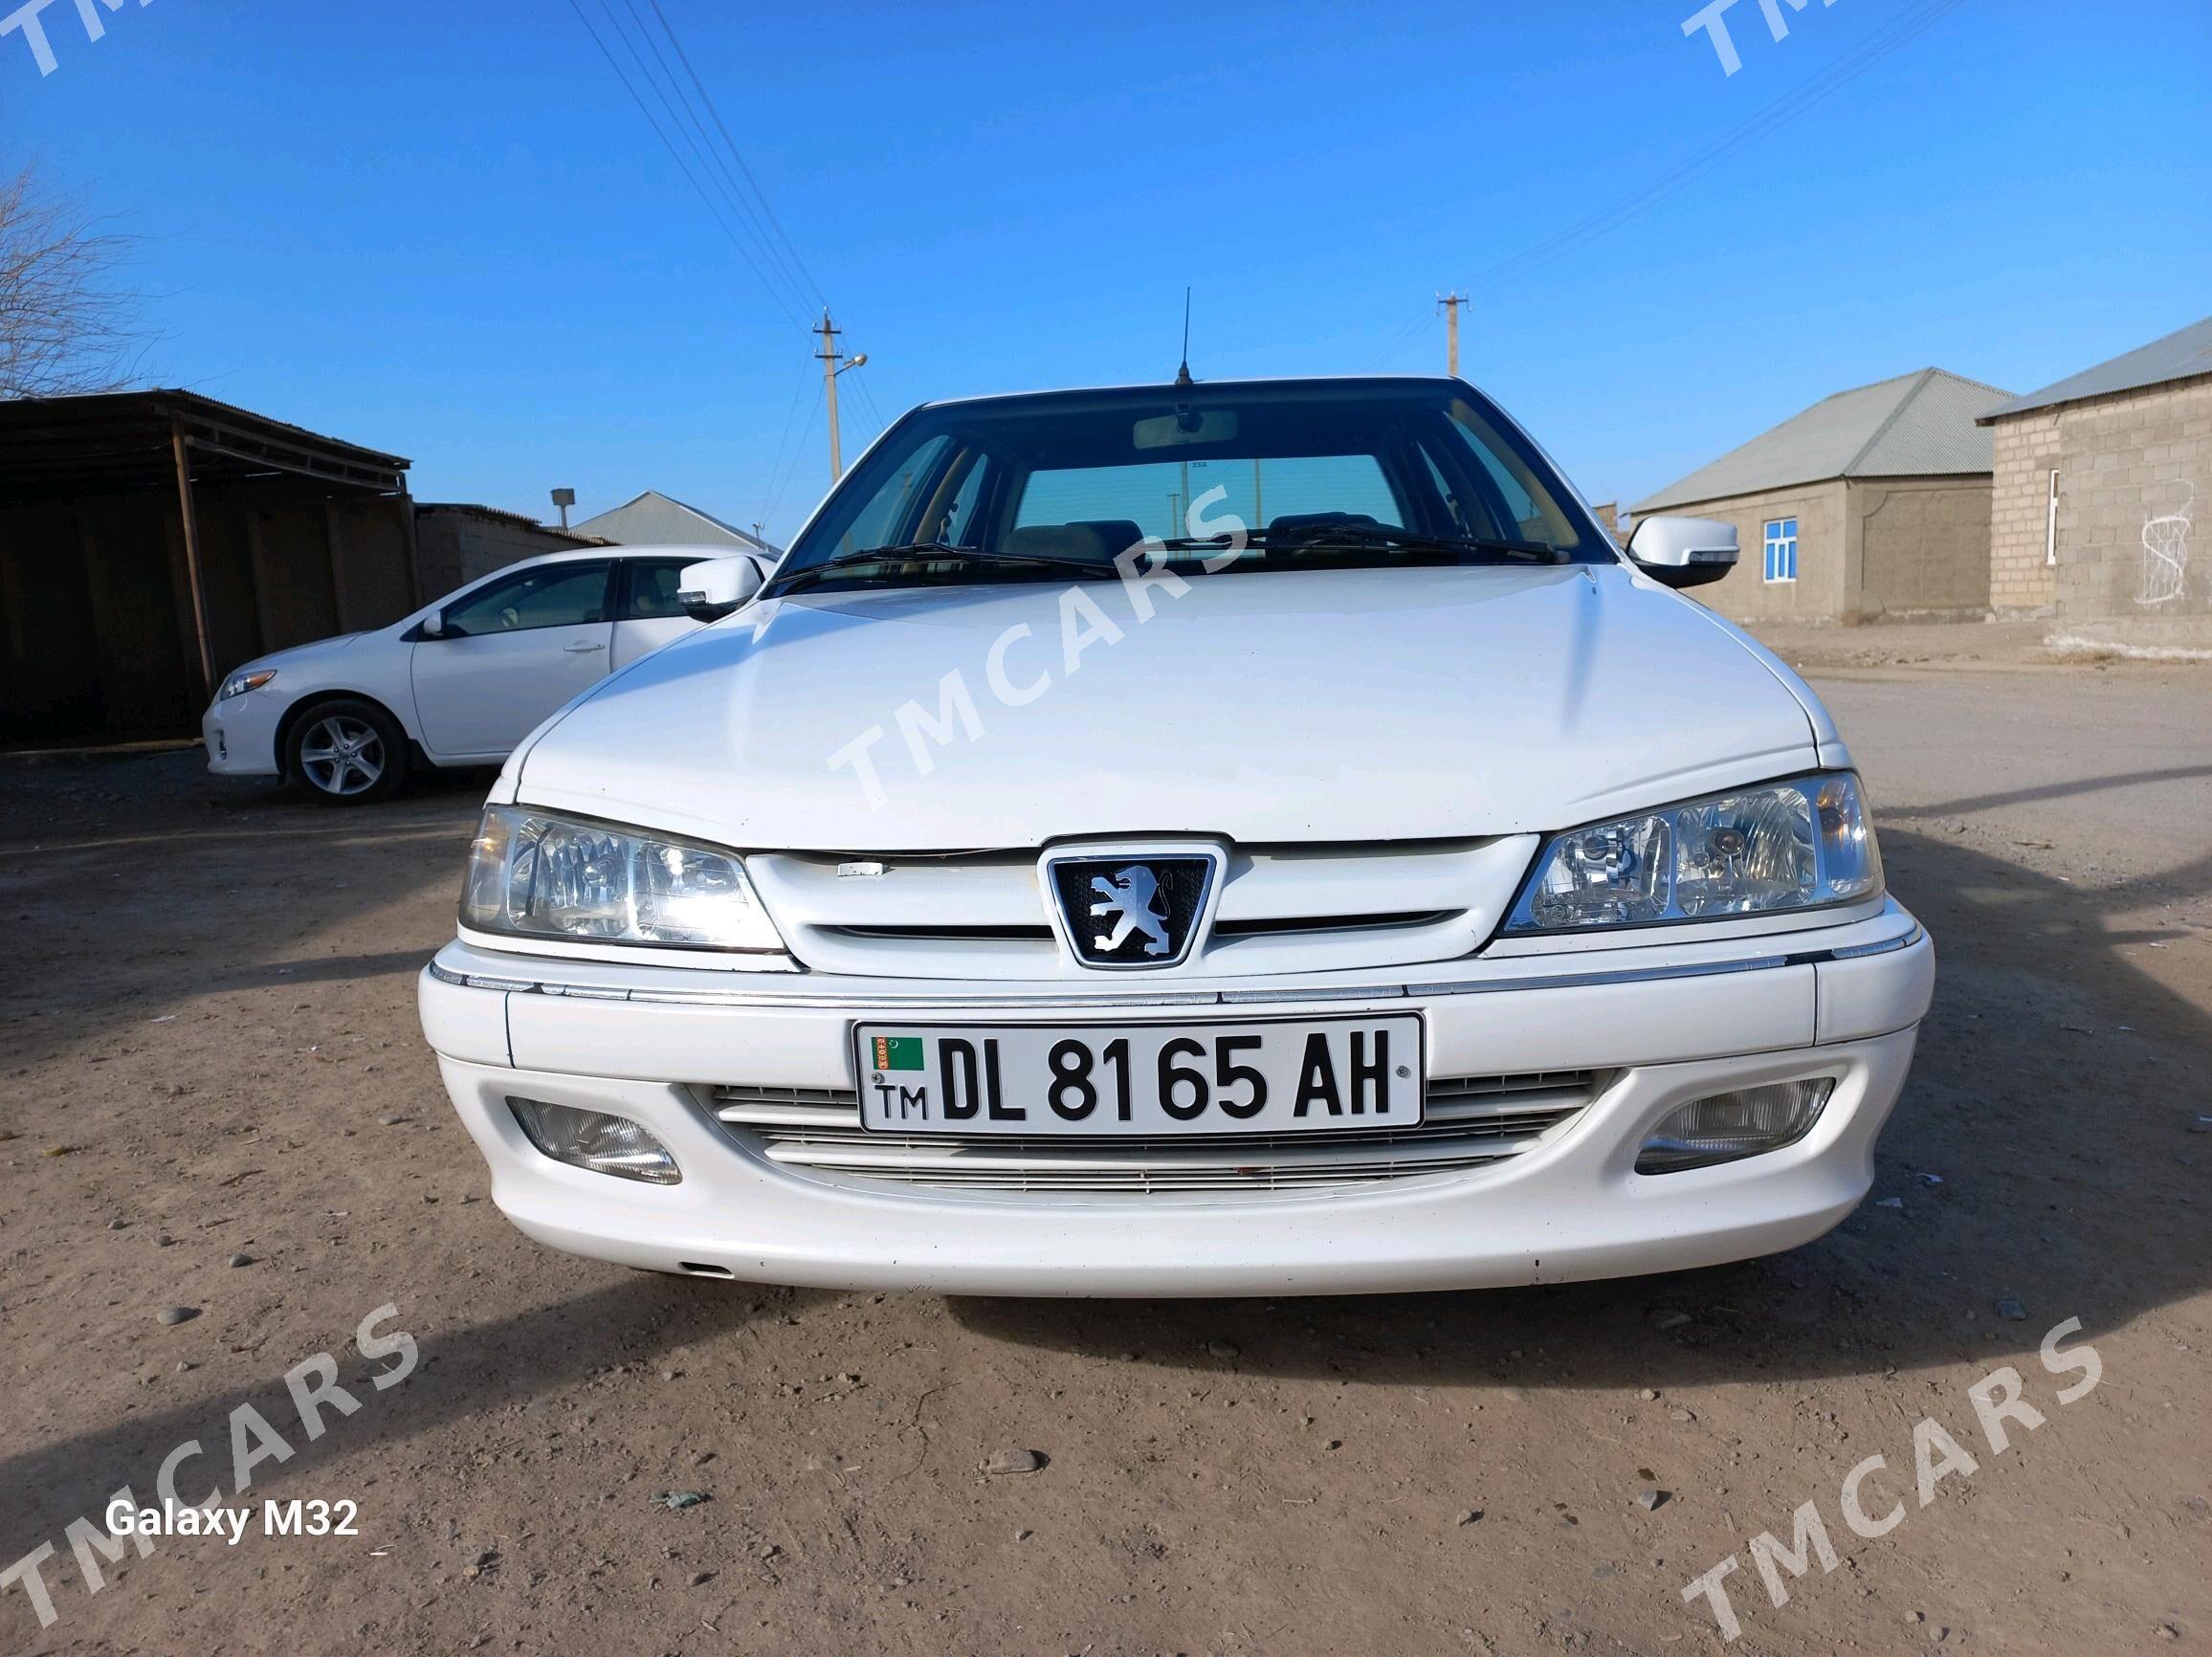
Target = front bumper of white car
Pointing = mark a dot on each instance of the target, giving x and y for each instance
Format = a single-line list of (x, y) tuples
[(1610, 1040), (240, 734)]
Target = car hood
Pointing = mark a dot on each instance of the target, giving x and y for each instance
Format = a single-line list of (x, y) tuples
[(297, 655), (1313, 706)]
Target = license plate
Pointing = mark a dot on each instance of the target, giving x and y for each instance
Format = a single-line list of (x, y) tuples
[(1246, 1076)]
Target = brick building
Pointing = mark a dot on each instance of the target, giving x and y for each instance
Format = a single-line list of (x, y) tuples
[(1871, 505), (2101, 481)]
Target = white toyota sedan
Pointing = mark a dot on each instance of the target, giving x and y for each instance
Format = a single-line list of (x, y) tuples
[(458, 682), (1231, 839)]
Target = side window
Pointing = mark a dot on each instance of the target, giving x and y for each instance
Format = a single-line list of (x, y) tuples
[(551, 595), (1518, 502), (652, 588), (1520, 493), (886, 519), (958, 524)]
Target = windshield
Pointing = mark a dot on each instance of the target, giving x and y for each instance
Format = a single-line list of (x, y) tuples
[(1289, 476)]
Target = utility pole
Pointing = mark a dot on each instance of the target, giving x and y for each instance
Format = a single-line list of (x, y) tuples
[(1452, 302), (832, 365)]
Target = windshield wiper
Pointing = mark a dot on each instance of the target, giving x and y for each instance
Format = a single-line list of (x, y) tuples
[(1362, 535), (936, 552)]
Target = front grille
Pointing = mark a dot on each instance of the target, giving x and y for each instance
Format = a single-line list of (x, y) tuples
[(1470, 1122), (1313, 923), (986, 916)]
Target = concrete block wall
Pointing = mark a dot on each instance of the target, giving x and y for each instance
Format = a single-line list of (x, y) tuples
[(2133, 468), (2028, 447), (453, 545)]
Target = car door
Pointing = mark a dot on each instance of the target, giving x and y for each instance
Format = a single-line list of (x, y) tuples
[(647, 615), (508, 653)]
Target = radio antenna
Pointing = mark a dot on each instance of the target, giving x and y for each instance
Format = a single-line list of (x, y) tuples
[(1183, 372)]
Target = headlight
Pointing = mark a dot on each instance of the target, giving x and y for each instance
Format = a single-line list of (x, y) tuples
[(536, 875), (1794, 844), (249, 680)]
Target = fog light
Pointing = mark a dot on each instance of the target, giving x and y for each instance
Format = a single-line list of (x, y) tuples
[(590, 1139), (1722, 1127)]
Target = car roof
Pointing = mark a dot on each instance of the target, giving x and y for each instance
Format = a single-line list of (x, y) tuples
[(697, 551), (1282, 383)]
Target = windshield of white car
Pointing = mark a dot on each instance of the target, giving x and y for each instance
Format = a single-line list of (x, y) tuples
[(1232, 478)]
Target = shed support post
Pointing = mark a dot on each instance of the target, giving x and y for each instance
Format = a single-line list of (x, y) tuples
[(193, 571)]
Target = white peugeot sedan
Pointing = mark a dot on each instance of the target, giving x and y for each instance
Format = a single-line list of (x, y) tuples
[(1232, 839), (458, 682)]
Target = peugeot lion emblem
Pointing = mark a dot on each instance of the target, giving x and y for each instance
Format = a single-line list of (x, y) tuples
[(1121, 911), (1132, 895)]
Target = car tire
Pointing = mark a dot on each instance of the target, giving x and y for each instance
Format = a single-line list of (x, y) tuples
[(346, 752)]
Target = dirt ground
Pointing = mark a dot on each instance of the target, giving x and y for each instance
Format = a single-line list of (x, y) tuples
[(208, 1045)]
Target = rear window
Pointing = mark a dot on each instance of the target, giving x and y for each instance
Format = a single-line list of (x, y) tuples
[(1159, 496)]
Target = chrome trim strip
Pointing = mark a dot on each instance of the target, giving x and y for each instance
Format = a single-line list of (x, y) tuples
[(1350, 992), (1623, 975), (1183, 998), (1856, 951)]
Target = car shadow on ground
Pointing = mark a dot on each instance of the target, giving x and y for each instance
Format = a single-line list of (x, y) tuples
[(212, 884), (2041, 1152), (530, 1359)]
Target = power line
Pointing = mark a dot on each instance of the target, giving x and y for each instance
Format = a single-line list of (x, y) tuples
[(768, 211), (783, 482), (1404, 337), (1905, 27), (1901, 30), (867, 402), (703, 147), (782, 303), (790, 413), (769, 252)]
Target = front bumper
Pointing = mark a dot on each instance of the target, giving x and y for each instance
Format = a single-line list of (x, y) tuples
[(240, 734), (1665, 1024)]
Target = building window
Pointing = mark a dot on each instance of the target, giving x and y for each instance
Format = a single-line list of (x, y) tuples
[(1782, 549)]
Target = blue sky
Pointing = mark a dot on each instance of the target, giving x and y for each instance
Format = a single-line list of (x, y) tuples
[(448, 232)]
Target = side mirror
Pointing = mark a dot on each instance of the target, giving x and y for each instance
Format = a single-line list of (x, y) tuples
[(709, 591), (1681, 552), (434, 625)]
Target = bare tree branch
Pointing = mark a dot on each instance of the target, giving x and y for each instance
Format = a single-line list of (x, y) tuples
[(66, 326)]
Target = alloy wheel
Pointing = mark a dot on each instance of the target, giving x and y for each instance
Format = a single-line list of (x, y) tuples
[(341, 755)]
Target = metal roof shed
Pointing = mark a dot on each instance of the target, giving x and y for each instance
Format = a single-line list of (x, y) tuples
[(656, 519), (149, 541)]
